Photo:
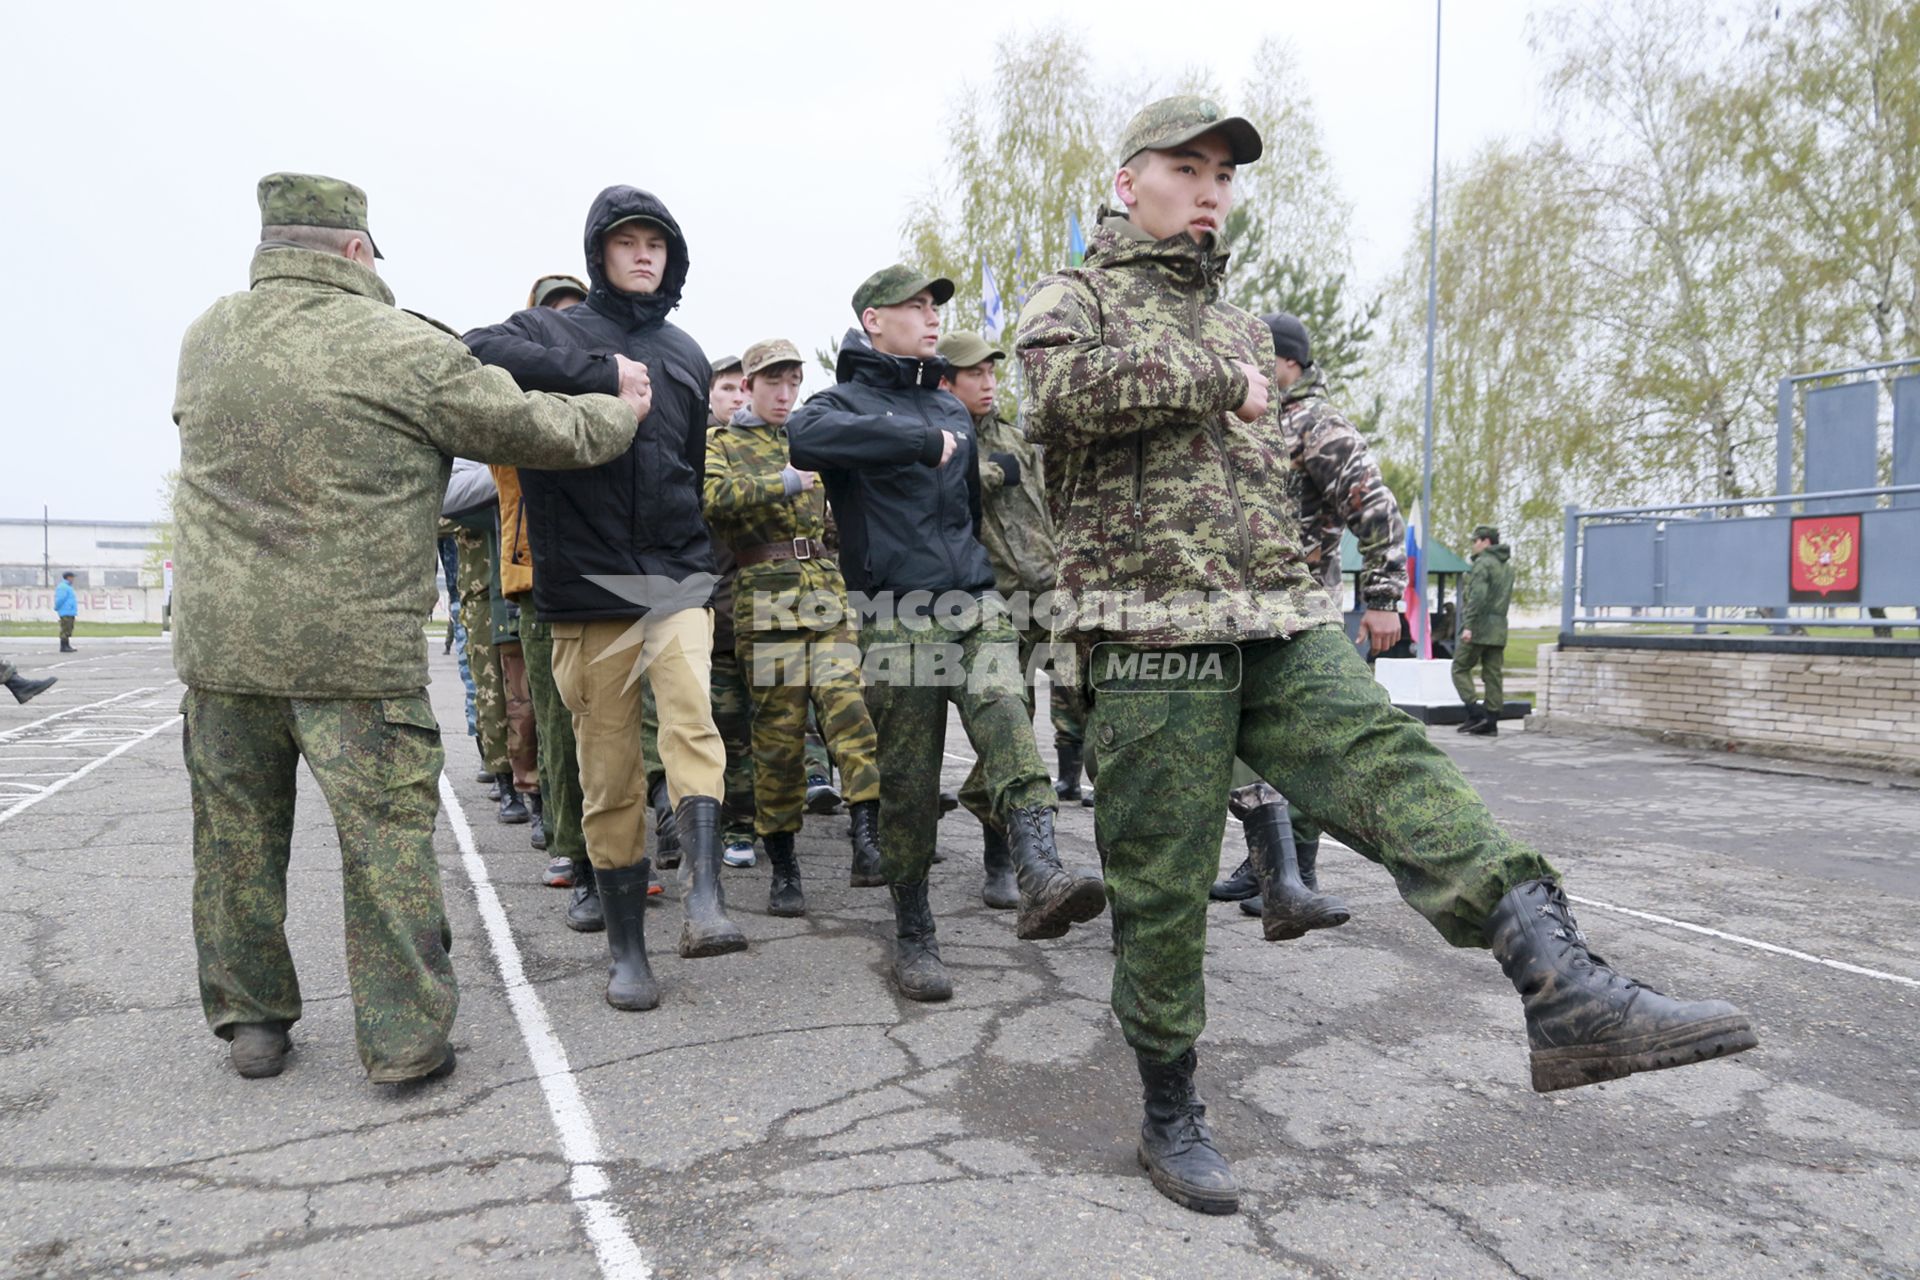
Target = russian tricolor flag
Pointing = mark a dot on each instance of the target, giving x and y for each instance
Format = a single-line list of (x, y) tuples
[(1418, 623)]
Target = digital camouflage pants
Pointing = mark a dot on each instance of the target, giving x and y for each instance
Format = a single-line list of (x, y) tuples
[(559, 765), (378, 764), (1307, 715), (1066, 707), (914, 673), (787, 673)]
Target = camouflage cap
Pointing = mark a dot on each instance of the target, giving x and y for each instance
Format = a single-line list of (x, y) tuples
[(546, 286), (662, 227), (963, 350), (313, 200), (766, 353), (1169, 122), (893, 285), (1490, 532), (726, 364)]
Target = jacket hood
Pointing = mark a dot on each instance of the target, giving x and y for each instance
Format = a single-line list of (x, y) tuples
[(1117, 242), (859, 362), (633, 309), (1313, 382), (1500, 551)]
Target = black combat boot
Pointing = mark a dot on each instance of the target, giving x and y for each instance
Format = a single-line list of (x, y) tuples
[(1288, 908), (1586, 1023), (864, 818), (1067, 785), (784, 895), (917, 968), (1474, 712), (1239, 886), (1051, 897), (1487, 726), (486, 776), (495, 791), (666, 834), (1176, 1146), (513, 810), (25, 690), (706, 931), (999, 890), (630, 983), (259, 1049), (949, 801), (538, 835), (585, 912)]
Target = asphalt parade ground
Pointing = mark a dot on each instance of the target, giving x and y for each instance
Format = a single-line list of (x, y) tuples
[(783, 1113)]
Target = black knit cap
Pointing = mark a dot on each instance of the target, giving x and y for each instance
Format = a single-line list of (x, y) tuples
[(1290, 341)]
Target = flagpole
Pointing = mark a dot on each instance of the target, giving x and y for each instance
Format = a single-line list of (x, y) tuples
[(1433, 315)]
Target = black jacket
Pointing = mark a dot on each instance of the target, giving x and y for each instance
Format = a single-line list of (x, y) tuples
[(639, 514), (906, 522)]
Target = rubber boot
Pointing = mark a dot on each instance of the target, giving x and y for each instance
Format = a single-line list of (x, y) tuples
[(1288, 909), (917, 968), (666, 835), (538, 835), (1176, 1146), (513, 809), (1586, 1023), (864, 818), (784, 894), (630, 983), (585, 912), (1051, 897), (706, 931), (1067, 785), (259, 1049), (25, 690), (1474, 712), (1000, 889)]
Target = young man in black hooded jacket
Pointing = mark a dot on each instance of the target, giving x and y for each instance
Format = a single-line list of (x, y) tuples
[(898, 458), (624, 573)]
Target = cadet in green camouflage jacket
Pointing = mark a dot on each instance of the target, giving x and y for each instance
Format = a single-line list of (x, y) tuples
[(1167, 468), (316, 422)]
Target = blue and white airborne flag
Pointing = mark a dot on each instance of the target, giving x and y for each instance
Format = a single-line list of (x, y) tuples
[(993, 316)]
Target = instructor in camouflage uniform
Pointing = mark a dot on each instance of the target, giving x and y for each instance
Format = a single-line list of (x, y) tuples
[(1181, 545), (316, 422), (1485, 595), (771, 517)]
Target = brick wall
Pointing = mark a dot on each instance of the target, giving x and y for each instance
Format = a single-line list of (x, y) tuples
[(1856, 710)]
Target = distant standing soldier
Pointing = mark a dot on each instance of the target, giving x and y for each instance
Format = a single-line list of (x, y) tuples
[(23, 689), (771, 518), (66, 606), (1485, 595), (316, 422)]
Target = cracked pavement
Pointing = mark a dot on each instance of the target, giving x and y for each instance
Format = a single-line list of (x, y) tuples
[(782, 1113)]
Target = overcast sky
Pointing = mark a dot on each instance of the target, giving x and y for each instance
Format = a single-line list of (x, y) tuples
[(788, 139)]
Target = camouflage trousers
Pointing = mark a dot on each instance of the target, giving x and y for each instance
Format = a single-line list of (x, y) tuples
[(1066, 705), (559, 767), (733, 717), (1306, 714), (489, 690), (378, 764), (1492, 661), (66, 627), (915, 672), (788, 673)]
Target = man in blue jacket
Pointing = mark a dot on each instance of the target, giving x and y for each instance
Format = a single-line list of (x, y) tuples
[(66, 606), (898, 456)]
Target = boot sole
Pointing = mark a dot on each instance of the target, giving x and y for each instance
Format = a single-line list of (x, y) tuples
[(787, 913), (1087, 900), (875, 881), (510, 820), (696, 947), (1291, 927), (634, 1004), (1232, 895), (587, 926), (1002, 904), (1569, 1068), (924, 995), (1186, 1195)]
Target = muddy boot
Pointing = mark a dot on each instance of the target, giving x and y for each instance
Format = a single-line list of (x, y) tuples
[(25, 690), (259, 1049), (784, 895), (1051, 897), (1288, 909), (1586, 1023), (917, 968), (630, 983), (1176, 1146), (666, 834), (1067, 785), (1000, 890), (538, 835), (585, 912), (865, 825), (707, 931)]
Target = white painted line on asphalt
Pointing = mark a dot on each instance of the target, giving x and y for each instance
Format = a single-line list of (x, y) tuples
[(614, 1245), (1755, 943), (86, 769), (10, 734)]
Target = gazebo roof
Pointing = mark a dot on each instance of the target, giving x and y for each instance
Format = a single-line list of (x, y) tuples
[(1444, 558)]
